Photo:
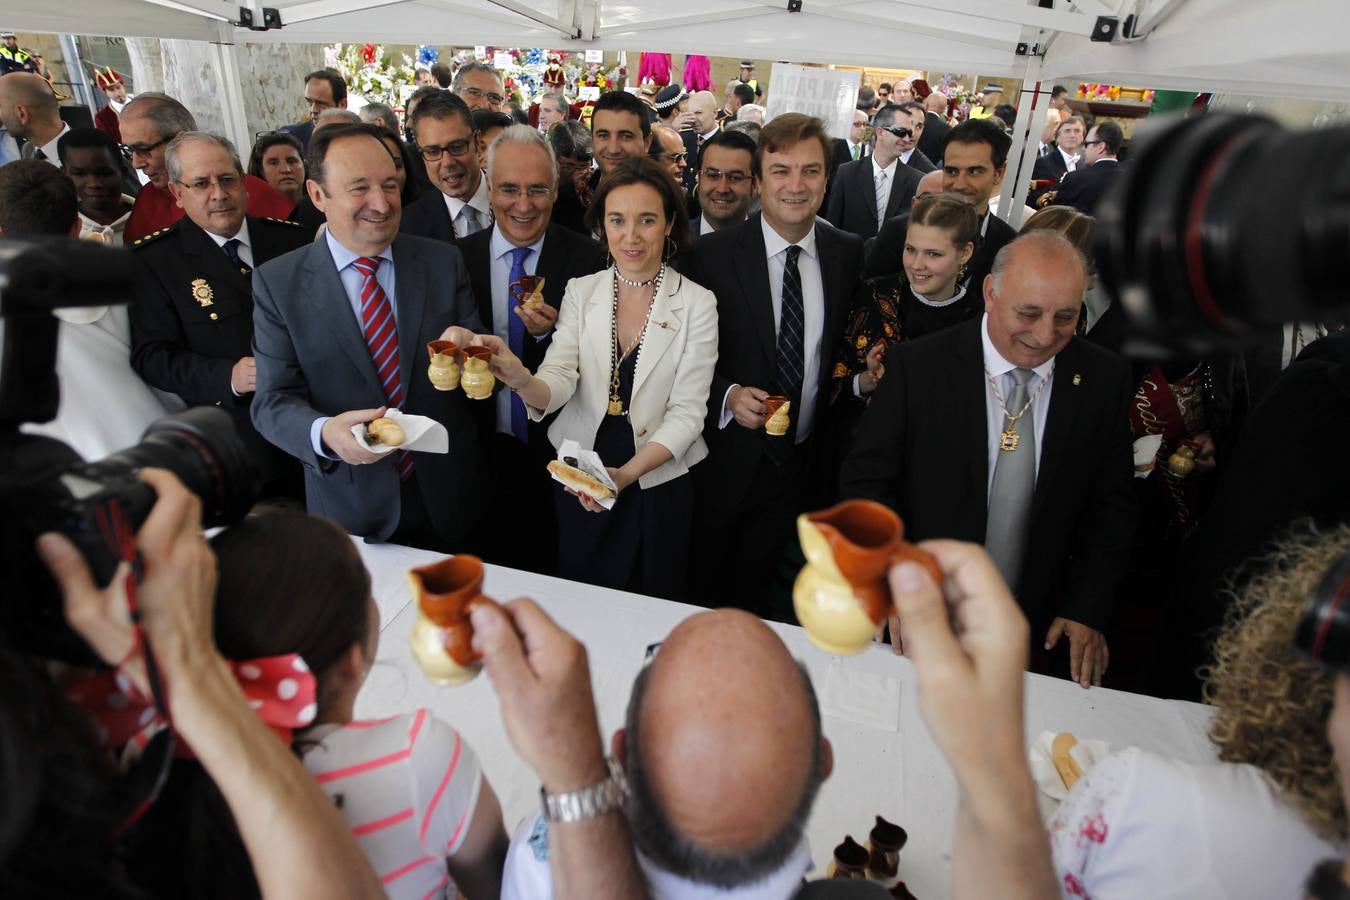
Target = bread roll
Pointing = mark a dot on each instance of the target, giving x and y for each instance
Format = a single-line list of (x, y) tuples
[(580, 481)]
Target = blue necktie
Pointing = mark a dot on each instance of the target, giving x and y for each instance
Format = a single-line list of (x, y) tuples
[(231, 248), (516, 338)]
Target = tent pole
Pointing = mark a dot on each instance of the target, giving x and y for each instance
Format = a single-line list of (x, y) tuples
[(1022, 154), (231, 93)]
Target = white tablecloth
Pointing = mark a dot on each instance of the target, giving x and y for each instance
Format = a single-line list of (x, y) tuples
[(884, 760)]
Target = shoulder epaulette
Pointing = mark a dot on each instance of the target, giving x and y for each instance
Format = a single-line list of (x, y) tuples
[(283, 222), (153, 236)]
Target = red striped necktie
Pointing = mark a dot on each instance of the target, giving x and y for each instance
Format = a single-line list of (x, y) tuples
[(377, 323)]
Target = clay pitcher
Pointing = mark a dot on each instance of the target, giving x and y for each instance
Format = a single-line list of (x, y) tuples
[(446, 592), (444, 368), (477, 379), (841, 595)]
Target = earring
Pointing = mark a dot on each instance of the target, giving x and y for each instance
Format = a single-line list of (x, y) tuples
[(961, 273), (609, 260), (670, 249)]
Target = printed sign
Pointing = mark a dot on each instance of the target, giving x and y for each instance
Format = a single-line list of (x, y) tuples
[(595, 56), (502, 60), (829, 94)]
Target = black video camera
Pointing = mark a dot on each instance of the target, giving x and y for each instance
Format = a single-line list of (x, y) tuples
[(44, 484), (1224, 227)]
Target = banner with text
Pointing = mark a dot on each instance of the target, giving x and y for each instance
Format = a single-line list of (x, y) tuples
[(829, 94)]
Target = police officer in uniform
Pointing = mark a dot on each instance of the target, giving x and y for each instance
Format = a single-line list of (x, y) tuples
[(192, 321)]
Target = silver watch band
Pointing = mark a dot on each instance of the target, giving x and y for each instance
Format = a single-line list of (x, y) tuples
[(588, 802)]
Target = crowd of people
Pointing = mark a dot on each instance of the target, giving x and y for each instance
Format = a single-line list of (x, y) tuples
[(700, 264)]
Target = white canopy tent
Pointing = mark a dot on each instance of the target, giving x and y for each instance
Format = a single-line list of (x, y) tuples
[(1295, 48)]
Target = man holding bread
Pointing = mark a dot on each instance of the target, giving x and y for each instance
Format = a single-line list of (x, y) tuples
[(340, 334)]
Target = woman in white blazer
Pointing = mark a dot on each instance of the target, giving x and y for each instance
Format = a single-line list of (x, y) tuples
[(629, 369)]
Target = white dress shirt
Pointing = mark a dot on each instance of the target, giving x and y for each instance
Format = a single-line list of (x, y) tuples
[(999, 369), (905, 157), (704, 226), (813, 321), (500, 270), (890, 183), (480, 204), (49, 148), (245, 249), (1070, 161)]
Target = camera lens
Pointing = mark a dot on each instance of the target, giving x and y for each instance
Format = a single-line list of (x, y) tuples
[(1323, 632), (202, 448), (1223, 227)]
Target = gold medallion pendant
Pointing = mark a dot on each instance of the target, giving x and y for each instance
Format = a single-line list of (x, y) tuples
[(1009, 440), (202, 293), (616, 407)]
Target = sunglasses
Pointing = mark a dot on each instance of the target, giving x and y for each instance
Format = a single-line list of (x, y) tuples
[(898, 132)]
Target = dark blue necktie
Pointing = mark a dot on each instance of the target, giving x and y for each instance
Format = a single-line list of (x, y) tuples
[(791, 354), (231, 248), (516, 338)]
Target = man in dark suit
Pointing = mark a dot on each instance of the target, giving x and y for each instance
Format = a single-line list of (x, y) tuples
[(1065, 152), (857, 145), (449, 145), (726, 183), (324, 89), (935, 126), (192, 322), (974, 159), (1012, 432), (869, 191), (784, 282), (620, 129), (1084, 188), (340, 334), (522, 185), (910, 154)]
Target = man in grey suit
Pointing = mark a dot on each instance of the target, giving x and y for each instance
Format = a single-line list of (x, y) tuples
[(340, 328)]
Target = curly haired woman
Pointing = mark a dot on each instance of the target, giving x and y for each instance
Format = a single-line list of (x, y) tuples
[(1253, 825)]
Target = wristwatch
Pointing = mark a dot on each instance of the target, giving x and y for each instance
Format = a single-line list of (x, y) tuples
[(588, 802)]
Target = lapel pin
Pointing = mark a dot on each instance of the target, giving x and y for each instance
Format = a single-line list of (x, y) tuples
[(1077, 380), (663, 324)]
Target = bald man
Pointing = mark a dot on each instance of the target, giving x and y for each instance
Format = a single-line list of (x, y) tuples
[(702, 108), (29, 111), (719, 792), (1010, 431)]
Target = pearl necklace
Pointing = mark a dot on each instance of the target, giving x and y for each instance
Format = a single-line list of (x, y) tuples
[(655, 279)]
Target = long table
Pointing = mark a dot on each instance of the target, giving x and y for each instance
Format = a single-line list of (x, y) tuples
[(885, 762)]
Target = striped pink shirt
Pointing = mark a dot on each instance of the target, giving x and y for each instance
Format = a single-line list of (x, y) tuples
[(408, 786)]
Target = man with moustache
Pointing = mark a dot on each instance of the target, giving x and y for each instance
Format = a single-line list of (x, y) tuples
[(340, 335), (1012, 432), (620, 128), (148, 123), (522, 177), (726, 183), (784, 281), (91, 159), (192, 322), (450, 146)]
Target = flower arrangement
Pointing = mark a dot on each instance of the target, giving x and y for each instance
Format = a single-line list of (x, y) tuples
[(1096, 92), (427, 56), (372, 73), (959, 98)]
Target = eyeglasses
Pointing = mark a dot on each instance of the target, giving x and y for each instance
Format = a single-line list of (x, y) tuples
[(674, 157), (732, 178), (1090, 143), (479, 94), (454, 148), (145, 149), (534, 191), (202, 185)]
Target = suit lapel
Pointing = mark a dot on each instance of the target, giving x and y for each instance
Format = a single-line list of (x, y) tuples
[(597, 317), (833, 279), (901, 189), (328, 304), (1065, 397), (665, 323), (552, 266), (479, 266), (411, 282), (753, 274), (970, 422)]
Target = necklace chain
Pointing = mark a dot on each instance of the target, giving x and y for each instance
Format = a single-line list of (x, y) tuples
[(1010, 438), (615, 407)]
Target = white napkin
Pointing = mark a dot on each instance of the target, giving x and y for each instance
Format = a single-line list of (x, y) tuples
[(1146, 454), (423, 435), (1086, 753), (589, 462)]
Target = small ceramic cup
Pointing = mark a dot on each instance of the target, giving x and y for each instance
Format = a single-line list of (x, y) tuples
[(776, 420), (477, 379), (444, 368)]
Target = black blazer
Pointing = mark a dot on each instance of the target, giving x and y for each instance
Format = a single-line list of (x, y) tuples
[(885, 255), (302, 132), (1051, 166), (853, 205), (694, 158), (192, 319), (565, 255), (919, 162), (733, 264), (935, 130), (429, 217), (922, 449), (1084, 187)]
